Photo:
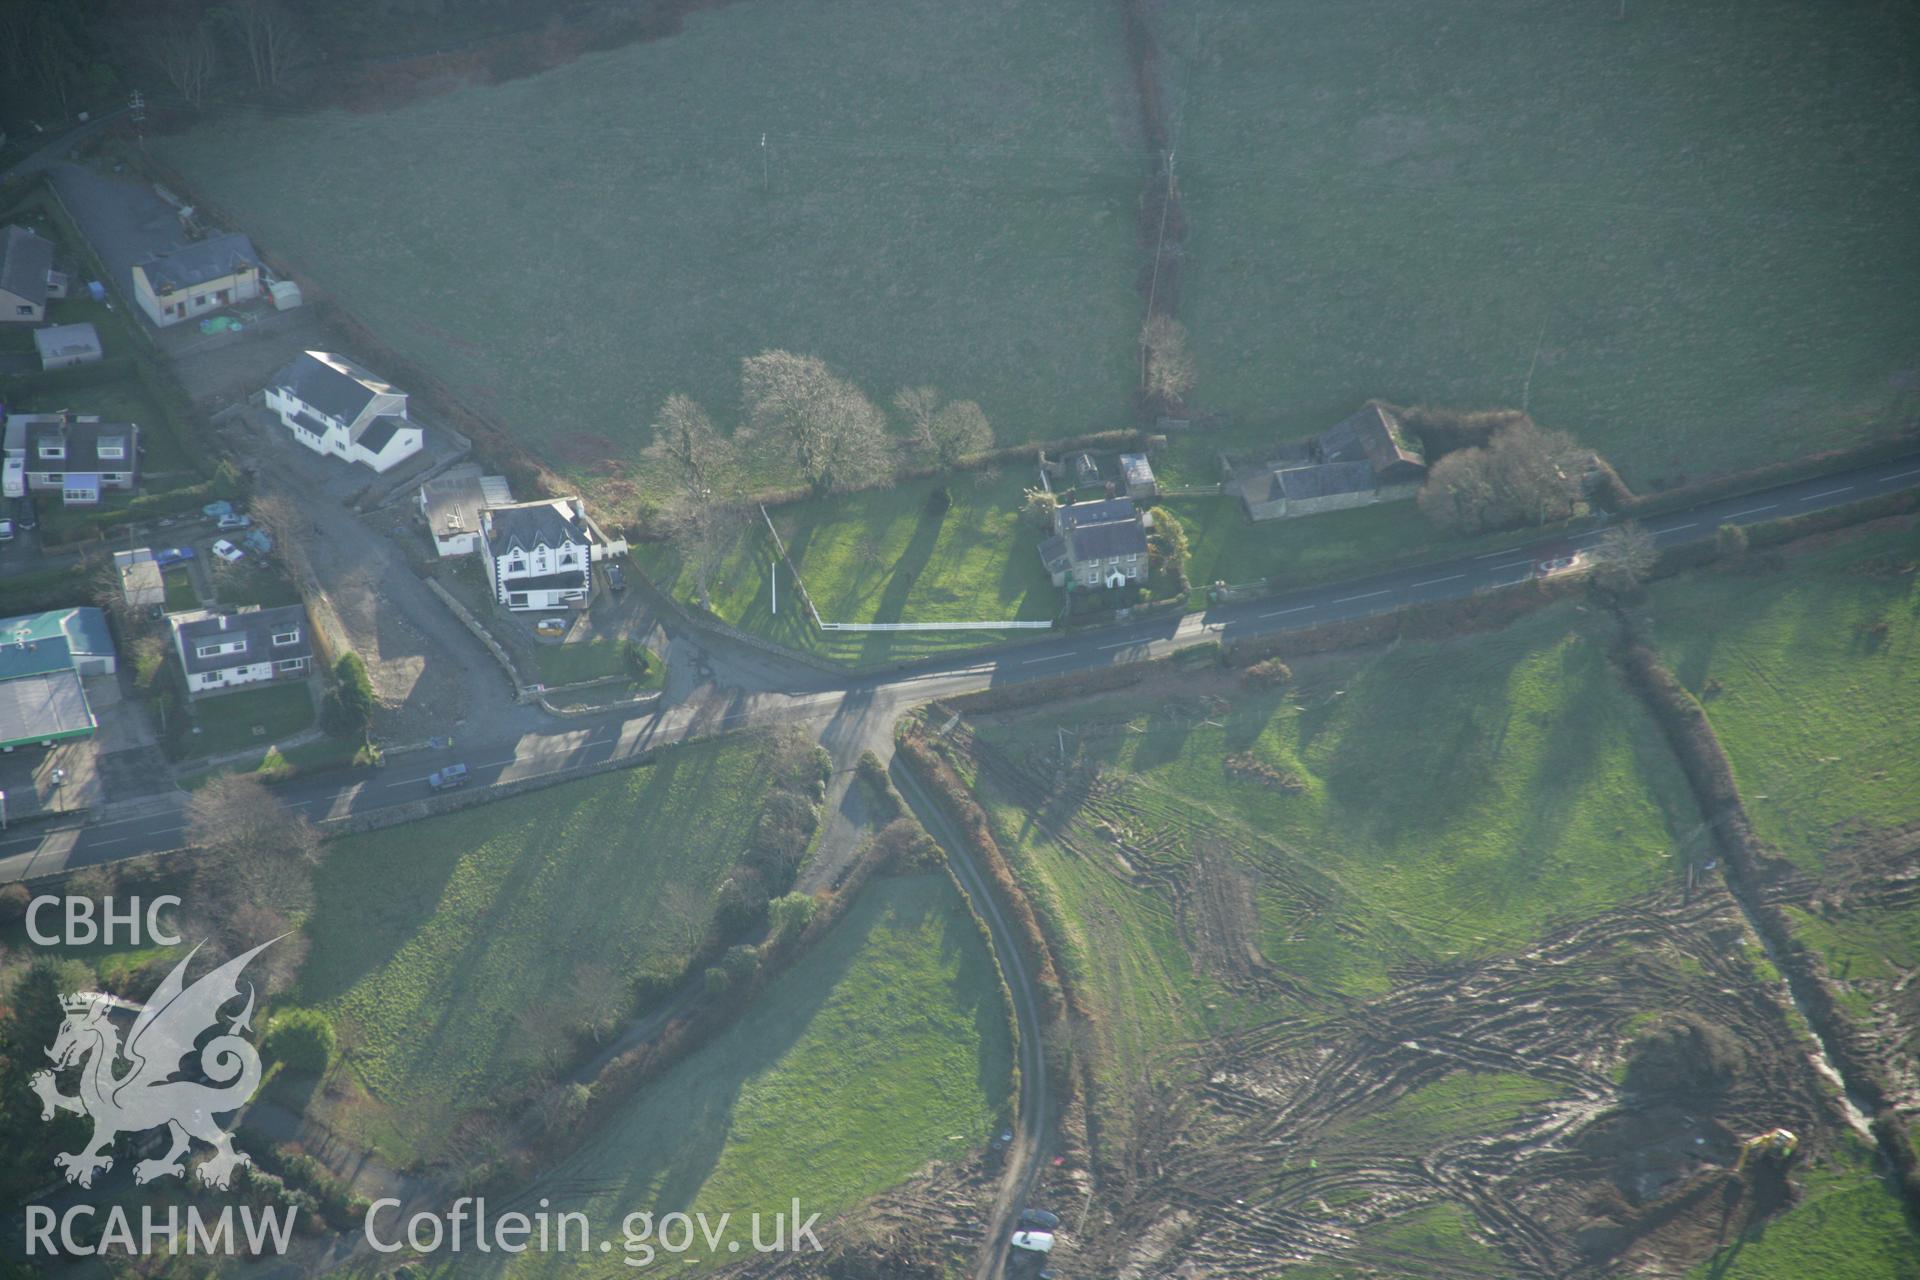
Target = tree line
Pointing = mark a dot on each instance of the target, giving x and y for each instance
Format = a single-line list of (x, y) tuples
[(798, 412)]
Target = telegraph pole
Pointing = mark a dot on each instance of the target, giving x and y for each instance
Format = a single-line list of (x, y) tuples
[(765, 178)]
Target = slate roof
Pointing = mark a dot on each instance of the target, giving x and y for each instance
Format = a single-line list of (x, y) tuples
[(1325, 480), (67, 340), (83, 446), (1053, 554), (1102, 512), (257, 625), (1373, 435), (373, 436), (51, 705), (25, 259), (199, 262), (1099, 541), (332, 384), (527, 525)]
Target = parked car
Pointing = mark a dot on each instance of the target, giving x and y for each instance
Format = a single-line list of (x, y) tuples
[(6, 531), (616, 579), (227, 551), (1033, 1241), (234, 520), (214, 510), (171, 556), (451, 778), (258, 540), (550, 627), (1039, 1219)]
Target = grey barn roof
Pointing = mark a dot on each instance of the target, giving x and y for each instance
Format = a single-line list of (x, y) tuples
[(257, 625), (197, 263), (38, 707), (25, 259), (334, 385), (1325, 480)]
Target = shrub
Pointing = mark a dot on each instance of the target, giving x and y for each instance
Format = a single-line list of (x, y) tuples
[(299, 1039), (639, 659), (939, 500), (1250, 768), (781, 836), (1730, 540), (13, 903), (740, 903), (1268, 673), (789, 914), (349, 705)]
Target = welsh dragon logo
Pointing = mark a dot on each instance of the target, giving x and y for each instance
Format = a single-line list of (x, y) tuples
[(144, 1095)]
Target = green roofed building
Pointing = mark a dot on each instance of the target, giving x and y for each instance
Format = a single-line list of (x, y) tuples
[(42, 659)]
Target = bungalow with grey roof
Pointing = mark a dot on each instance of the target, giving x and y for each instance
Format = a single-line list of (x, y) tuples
[(27, 277)]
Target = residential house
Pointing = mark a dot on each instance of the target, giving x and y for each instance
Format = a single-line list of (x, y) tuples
[(1366, 458), (141, 584), (451, 504), (43, 659), (539, 555), (27, 277), (63, 345), (80, 456), (333, 406), (1097, 544), (197, 278), (220, 652)]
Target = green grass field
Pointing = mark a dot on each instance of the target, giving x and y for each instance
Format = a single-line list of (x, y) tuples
[(947, 197), (1807, 677), (884, 1047), (430, 940), (1454, 798), (1848, 1226), (882, 557), (1639, 205)]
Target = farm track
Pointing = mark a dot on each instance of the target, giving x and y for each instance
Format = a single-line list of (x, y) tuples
[(1273, 1166)]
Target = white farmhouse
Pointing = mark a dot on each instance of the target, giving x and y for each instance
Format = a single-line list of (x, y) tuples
[(333, 406), (539, 554)]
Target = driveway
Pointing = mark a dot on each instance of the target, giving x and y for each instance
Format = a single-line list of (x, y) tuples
[(120, 216)]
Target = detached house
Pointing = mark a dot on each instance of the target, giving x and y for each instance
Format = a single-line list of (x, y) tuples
[(27, 277), (223, 651), (79, 456), (1097, 544), (539, 554), (197, 278), (333, 406)]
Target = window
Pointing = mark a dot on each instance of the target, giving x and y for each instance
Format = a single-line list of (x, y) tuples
[(517, 599), (286, 637), (292, 664), (113, 477), (53, 449), (222, 647), (25, 309), (199, 299), (115, 449)]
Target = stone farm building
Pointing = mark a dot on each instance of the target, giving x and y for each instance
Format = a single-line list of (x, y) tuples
[(1097, 544), (1369, 457)]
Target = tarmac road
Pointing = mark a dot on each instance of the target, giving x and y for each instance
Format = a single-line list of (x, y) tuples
[(159, 824)]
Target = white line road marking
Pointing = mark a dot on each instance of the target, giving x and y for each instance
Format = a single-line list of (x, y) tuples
[(1815, 497), (1899, 476), (1125, 644), (1299, 608), (160, 831), (1676, 528), (1364, 595), (494, 764), (1753, 511), (1488, 555), (407, 782), (1432, 581), (1052, 657), (1511, 565)]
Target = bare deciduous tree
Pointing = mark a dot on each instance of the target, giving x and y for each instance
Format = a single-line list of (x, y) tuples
[(1524, 475), (267, 33), (832, 431), (1623, 558), (188, 58), (689, 448), (681, 914), (1166, 361), (703, 531), (594, 998), (942, 434), (236, 813)]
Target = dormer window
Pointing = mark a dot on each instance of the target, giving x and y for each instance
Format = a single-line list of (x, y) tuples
[(286, 637), (112, 447), (53, 448)]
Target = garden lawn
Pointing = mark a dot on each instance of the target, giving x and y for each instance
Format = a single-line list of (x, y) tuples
[(430, 941), (882, 556), (885, 1046), (227, 721), (1626, 217), (181, 597), (946, 194), (1807, 676), (1452, 799), (593, 660)]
